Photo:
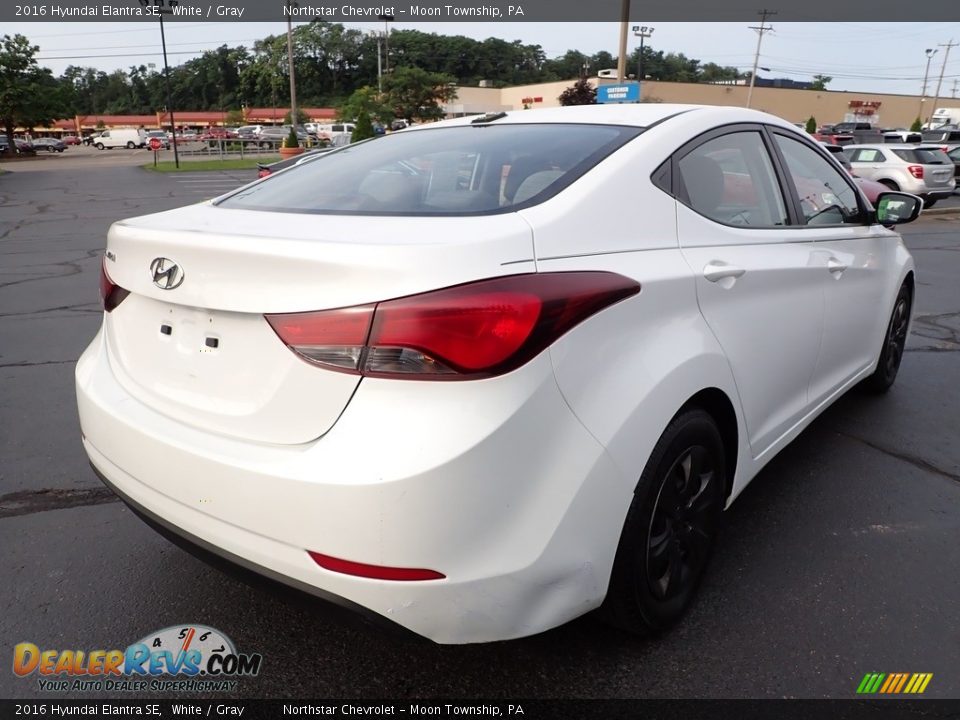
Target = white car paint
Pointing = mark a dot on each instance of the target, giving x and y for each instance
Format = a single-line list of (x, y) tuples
[(516, 486)]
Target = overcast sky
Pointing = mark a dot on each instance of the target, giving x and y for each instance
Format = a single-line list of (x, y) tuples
[(871, 57)]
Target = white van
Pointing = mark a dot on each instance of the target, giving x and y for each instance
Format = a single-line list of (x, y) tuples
[(332, 132), (123, 137)]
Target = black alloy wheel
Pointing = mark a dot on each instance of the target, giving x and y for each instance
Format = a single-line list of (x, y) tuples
[(894, 344), (671, 527)]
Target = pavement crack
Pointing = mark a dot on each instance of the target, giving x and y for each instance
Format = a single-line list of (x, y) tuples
[(905, 457), (28, 502), (35, 364)]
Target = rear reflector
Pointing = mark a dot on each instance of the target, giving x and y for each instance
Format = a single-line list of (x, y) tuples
[(111, 294), (374, 572), (479, 329)]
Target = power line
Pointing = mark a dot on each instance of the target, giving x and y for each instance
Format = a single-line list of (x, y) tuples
[(756, 56)]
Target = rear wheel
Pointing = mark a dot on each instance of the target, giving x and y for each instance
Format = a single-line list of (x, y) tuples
[(894, 343), (99, 146), (929, 202), (131, 146), (671, 527), (890, 184)]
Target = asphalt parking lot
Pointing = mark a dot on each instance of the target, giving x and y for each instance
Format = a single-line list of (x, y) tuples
[(840, 559)]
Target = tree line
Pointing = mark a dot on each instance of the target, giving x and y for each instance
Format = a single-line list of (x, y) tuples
[(332, 61)]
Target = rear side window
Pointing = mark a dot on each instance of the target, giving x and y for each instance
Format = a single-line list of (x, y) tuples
[(867, 155), (924, 156), (731, 180), (463, 170)]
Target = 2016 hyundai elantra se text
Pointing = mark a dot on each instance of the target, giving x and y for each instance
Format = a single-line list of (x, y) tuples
[(483, 376)]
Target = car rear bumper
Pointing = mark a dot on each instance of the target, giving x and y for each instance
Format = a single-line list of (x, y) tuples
[(506, 494)]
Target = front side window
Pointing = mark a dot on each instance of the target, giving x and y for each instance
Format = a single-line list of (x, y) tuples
[(447, 171), (731, 180), (825, 195)]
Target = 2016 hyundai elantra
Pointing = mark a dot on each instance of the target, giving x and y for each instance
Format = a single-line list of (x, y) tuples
[(484, 376)]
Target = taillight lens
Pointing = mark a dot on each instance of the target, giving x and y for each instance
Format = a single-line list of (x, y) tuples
[(916, 171), (111, 294), (480, 329)]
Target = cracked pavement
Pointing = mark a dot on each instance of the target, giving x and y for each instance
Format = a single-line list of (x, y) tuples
[(841, 558)]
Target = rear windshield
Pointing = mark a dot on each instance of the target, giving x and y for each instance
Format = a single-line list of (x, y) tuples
[(924, 156), (463, 170)]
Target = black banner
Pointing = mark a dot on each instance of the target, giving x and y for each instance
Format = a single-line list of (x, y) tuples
[(526, 709), (494, 11)]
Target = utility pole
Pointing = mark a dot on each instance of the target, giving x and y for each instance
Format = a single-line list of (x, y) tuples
[(923, 94), (161, 11), (943, 67), (624, 22), (764, 14), (293, 78)]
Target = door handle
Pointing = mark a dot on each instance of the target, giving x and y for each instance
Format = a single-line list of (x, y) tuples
[(836, 267), (714, 271)]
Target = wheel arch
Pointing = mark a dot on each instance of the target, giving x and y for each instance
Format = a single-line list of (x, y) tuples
[(720, 407)]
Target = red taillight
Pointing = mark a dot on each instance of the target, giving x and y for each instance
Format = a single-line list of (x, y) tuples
[(475, 330), (262, 173), (916, 171), (376, 572), (110, 293)]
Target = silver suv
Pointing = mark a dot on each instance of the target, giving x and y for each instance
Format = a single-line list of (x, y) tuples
[(919, 169)]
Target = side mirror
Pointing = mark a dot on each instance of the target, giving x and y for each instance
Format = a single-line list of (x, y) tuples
[(897, 208)]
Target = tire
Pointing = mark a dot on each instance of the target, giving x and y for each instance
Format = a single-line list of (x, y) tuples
[(929, 203), (894, 341), (131, 146), (671, 527), (99, 146), (890, 184)]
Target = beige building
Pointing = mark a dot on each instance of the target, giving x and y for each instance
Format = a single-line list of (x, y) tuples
[(793, 105)]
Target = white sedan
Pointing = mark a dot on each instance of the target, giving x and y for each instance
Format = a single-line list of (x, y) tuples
[(486, 375)]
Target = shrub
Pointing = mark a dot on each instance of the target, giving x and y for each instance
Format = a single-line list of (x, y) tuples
[(811, 125), (291, 141)]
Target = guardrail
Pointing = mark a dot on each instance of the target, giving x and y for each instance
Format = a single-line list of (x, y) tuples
[(233, 147)]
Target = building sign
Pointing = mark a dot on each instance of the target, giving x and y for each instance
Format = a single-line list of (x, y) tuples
[(624, 92)]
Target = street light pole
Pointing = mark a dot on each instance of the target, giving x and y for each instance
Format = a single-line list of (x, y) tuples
[(624, 23), (293, 78), (387, 19), (641, 31), (926, 73), (166, 75)]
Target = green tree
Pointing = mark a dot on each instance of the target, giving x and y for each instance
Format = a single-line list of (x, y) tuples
[(580, 93), (291, 140), (302, 117), (414, 93), (234, 117), (363, 128), (917, 126), (366, 101), (811, 124), (29, 95), (820, 82)]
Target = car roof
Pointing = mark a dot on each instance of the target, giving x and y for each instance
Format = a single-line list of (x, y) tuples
[(630, 114)]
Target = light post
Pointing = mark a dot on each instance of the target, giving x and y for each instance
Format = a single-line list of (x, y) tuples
[(161, 11), (642, 32), (387, 19), (293, 78), (926, 73)]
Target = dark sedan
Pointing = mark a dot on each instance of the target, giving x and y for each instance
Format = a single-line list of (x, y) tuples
[(955, 156), (49, 144)]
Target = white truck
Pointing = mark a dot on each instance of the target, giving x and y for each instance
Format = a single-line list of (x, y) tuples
[(943, 116)]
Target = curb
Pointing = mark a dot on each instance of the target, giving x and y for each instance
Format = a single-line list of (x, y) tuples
[(942, 211)]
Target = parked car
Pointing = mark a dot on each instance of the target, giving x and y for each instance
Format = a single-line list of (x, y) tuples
[(265, 169), (870, 188), (216, 133), (421, 376), (919, 169), (954, 155), (70, 140), (902, 136), (23, 147), (49, 144), (274, 135), (941, 136), (162, 135)]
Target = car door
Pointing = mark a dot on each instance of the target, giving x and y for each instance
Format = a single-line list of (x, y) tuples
[(853, 258), (757, 285), (868, 163)]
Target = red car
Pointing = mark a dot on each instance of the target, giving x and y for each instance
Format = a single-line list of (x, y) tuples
[(870, 188), (217, 133), (70, 140)]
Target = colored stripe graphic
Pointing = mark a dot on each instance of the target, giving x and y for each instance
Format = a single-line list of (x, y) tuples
[(894, 683)]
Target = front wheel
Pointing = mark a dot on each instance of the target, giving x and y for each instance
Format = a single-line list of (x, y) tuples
[(671, 527), (894, 343)]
